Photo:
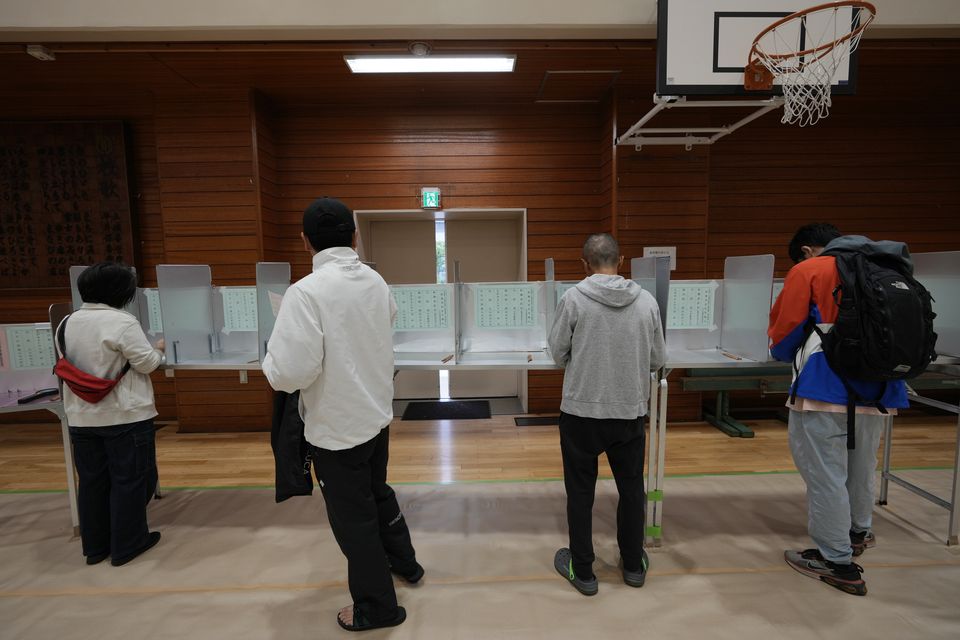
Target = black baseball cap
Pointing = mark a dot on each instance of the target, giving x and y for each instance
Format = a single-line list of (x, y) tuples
[(326, 221)]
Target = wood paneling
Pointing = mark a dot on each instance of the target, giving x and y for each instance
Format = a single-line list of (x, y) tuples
[(211, 198), (221, 178), (884, 164), (540, 157)]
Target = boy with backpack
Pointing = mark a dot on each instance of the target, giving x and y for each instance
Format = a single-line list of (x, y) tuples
[(840, 307)]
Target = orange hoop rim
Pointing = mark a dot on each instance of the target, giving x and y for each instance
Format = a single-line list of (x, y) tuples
[(823, 48)]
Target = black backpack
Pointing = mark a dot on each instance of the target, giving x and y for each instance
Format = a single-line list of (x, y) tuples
[(884, 329)]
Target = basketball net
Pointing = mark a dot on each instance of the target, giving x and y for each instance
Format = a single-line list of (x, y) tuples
[(804, 51)]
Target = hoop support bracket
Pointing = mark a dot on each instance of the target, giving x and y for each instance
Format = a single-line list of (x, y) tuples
[(639, 136)]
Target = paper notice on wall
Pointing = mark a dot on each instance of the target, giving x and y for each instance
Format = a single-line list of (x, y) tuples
[(422, 308), (506, 306), (239, 309), (30, 347), (691, 305), (275, 300), (154, 319)]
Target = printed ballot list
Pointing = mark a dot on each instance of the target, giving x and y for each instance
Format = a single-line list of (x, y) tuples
[(239, 309), (691, 306), (29, 347), (154, 319), (422, 308), (511, 306)]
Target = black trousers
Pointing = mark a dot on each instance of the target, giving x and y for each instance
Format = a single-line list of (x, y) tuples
[(582, 440), (117, 469), (367, 522)]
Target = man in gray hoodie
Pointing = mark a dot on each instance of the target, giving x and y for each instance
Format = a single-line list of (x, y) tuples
[(607, 335)]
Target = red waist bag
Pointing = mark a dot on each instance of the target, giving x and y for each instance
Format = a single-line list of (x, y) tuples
[(88, 387)]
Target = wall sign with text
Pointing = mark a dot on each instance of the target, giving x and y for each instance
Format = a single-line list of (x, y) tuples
[(64, 200)]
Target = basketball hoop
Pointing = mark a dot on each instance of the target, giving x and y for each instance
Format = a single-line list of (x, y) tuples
[(803, 51)]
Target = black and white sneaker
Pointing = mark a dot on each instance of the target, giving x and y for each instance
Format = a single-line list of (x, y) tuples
[(845, 577)]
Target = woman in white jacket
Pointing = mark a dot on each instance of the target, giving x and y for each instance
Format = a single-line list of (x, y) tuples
[(113, 439)]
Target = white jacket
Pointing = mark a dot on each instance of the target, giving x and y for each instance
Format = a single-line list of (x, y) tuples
[(333, 341), (100, 340)]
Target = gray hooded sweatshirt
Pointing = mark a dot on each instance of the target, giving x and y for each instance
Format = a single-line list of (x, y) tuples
[(607, 335)]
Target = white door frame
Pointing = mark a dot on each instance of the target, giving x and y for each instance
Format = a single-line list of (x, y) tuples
[(365, 216)]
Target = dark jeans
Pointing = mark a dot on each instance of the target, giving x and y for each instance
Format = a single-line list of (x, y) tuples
[(367, 522), (118, 473), (582, 440)]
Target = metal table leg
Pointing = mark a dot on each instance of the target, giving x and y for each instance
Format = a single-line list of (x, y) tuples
[(885, 471), (954, 528), (650, 532), (661, 457), (68, 460)]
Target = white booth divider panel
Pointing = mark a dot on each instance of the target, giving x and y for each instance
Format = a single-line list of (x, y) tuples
[(186, 302), (273, 280), (653, 275), (939, 272), (747, 291)]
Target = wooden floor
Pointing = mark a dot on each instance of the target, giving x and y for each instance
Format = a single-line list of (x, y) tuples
[(31, 457)]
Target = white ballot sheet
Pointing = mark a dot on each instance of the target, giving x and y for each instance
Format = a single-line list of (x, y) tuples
[(154, 318), (275, 300), (422, 308), (506, 306), (239, 309), (691, 305), (30, 347)]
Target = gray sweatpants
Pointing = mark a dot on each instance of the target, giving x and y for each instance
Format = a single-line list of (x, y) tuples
[(840, 482)]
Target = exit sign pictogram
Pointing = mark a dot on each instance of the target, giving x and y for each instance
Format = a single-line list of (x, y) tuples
[(430, 197)]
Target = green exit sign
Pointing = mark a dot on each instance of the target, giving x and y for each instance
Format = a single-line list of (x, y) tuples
[(430, 198)]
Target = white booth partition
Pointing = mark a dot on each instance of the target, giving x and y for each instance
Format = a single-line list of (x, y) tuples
[(273, 280)]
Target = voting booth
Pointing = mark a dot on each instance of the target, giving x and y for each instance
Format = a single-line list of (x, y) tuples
[(503, 323), (721, 322), (425, 327), (203, 324), (939, 272)]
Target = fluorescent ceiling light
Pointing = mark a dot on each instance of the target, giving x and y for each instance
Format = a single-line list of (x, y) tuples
[(430, 64)]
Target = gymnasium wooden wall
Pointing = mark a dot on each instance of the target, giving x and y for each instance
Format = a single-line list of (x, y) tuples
[(883, 164), (221, 175), (540, 157)]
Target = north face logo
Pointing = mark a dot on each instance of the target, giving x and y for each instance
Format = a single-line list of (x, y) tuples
[(899, 284)]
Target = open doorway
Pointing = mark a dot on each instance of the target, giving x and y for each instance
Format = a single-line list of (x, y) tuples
[(416, 247)]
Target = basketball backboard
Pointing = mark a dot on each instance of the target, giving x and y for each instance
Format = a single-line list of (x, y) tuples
[(703, 45)]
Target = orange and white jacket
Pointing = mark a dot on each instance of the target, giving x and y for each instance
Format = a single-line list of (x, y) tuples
[(808, 294)]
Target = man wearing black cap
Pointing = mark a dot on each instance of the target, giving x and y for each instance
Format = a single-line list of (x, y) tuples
[(333, 341)]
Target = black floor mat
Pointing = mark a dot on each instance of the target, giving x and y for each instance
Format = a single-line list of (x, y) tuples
[(452, 410), (537, 421)]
